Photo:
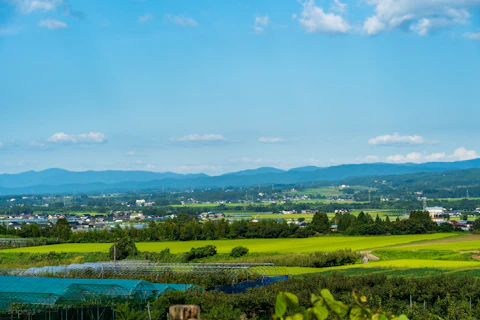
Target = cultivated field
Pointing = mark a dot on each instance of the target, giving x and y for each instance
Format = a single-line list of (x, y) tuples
[(326, 244), (470, 242)]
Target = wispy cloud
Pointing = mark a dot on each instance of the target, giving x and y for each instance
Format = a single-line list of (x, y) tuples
[(83, 138), (472, 35), (52, 24), (315, 19), (180, 20), (261, 22), (30, 6), (370, 159), (201, 137), (130, 153), (396, 139), (338, 6), (271, 140), (416, 157), (460, 154), (1, 145), (421, 17), (147, 17)]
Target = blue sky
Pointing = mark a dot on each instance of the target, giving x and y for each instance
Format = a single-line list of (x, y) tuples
[(218, 86)]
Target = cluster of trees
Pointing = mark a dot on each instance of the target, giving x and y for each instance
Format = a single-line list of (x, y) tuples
[(419, 222), (187, 227)]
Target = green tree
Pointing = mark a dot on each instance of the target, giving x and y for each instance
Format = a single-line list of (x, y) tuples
[(320, 223), (123, 249), (476, 225), (62, 229)]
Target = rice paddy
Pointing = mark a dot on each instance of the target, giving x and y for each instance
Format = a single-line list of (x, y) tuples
[(288, 245)]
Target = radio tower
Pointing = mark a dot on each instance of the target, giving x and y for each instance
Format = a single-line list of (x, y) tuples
[(424, 203)]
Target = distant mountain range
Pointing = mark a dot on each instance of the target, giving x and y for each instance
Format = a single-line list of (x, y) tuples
[(64, 181)]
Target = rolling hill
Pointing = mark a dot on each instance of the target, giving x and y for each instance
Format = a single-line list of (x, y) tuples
[(64, 181)]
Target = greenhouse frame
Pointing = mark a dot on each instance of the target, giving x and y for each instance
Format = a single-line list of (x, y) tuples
[(73, 298)]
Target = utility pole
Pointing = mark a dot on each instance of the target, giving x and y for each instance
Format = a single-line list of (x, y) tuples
[(115, 258)]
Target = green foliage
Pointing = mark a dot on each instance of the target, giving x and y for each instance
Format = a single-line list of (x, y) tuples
[(307, 260), (325, 305), (239, 251), (124, 312), (202, 252), (222, 312), (320, 223), (476, 225), (62, 229), (123, 249)]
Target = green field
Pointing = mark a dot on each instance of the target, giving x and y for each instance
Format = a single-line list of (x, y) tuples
[(326, 191), (454, 246), (326, 244), (393, 266), (373, 213), (413, 263)]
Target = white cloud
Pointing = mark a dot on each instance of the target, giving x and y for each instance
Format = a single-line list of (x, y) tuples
[(1, 145), (181, 20), (150, 166), (419, 16), (373, 25), (36, 144), (460, 154), (314, 19), (52, 24), (261, 22), (84, 138), (201, 138), (271, 140), (371, 159), (472, 35), (130, 153), (396, 139), (147, 17), (28, 6), (338, 6)]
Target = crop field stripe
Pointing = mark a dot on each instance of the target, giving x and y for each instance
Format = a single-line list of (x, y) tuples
[(283, 245), (470, 242)]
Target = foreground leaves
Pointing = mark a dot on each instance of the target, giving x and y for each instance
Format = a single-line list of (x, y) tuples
[(325, 305)]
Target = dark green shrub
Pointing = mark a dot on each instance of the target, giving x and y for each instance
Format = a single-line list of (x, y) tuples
[(238, 251), (202, 252)]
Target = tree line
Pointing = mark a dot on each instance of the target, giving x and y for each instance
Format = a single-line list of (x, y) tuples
[(187, 227)]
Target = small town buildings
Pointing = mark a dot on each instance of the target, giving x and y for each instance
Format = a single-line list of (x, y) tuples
[(435, 211)]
